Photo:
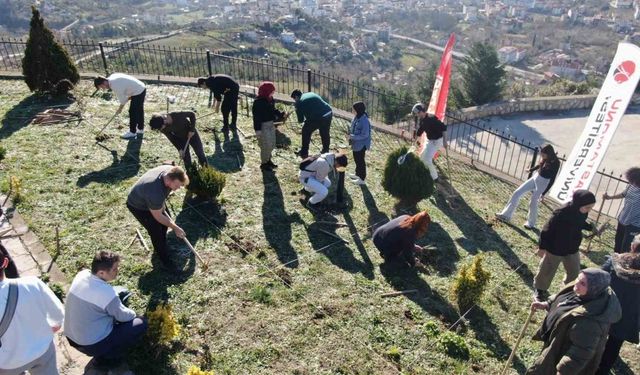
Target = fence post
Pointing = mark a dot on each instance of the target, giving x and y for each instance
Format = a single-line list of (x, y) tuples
[(308, 80), (104, 59), (209, 63), (533, 161)]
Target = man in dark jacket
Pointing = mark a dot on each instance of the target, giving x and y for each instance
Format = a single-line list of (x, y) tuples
[(316, 114), (223, 85), (180, 129), (625, 282), (560, 241), (575, 329)]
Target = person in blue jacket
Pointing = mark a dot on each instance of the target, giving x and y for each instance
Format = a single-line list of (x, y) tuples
[(360, 141)]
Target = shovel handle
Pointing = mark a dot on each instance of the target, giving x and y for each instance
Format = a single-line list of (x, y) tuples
[(193, 250)]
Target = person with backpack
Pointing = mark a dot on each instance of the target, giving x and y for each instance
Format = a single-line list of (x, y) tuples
[(264, 115), (180, 129), (360, 141), (316, 114), (223, 85), (540, 182), (436, 137), (30, 314), (314, 174)]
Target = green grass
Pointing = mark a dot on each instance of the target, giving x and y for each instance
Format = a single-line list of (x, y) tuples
[(279, 296)]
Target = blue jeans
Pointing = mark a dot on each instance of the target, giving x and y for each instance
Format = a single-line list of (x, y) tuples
[(115, 345)]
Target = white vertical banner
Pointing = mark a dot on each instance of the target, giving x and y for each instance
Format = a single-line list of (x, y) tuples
[(611, 104)]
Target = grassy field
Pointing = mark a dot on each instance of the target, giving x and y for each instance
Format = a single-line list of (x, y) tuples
[(281, 296)]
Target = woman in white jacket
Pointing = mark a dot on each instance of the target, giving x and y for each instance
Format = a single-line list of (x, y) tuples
[(314, 174)]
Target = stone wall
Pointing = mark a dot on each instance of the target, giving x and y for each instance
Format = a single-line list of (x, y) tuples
[(553, 103)]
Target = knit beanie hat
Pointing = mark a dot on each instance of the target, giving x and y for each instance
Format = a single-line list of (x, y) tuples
[(582, 198), (597, 281), (265, 89)]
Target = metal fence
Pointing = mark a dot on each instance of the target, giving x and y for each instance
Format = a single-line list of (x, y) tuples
[(471, 138)]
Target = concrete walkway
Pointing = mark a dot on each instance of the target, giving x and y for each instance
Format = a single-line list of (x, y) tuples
[(32, 259)]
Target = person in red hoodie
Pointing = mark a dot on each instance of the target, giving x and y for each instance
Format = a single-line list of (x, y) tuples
[(265, 115)]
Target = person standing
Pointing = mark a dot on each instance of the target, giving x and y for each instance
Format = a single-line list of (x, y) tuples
[(314, 174), (127, 88), (316, 114), (180, 129), (97, 323), (265, 115), (575, 329), (396, 239), (146, 201), (560, 242), (222, 85), (629, 217), (625, 282), (436, 137), (33, 314), (360, 141), (540, 182)]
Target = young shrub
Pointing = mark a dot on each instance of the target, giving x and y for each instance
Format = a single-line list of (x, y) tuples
[(409, 181), (163, 327), (453, 345), (195, 370), (46, 62), (15, 188), (261, 294), (394, 354), (469, 284), (206, 182)]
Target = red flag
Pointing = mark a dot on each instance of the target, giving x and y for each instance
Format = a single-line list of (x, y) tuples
[(438, 102)]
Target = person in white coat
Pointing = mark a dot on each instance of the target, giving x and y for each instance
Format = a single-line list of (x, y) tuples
[(314, 174)]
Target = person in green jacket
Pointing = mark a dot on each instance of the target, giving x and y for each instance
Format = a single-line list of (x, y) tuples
[(180, 129), (576, 327), (316, 115)]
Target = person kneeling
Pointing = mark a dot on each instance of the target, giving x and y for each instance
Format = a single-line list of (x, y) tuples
[(314, 174), (396, 239), (97, 323)]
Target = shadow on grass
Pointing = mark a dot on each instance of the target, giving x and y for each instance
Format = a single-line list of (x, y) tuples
[(228, 156), (401, 278), (621, 368), (487, 332), (478, 236), (282, 140), (276, 222), (440, 252), (375, 218), (22, 113), (120, 169)]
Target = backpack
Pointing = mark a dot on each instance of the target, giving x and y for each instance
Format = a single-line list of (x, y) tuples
[(306, 161)]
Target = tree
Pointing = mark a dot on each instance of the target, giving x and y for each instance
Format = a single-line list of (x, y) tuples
[(45, 61), (482, 75), (410, 181)]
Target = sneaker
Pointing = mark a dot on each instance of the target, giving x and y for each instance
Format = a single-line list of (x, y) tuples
[(272, 165), (128, 135), (358, 181), (352, 176), (529, 227), (541, 295), (140, 131), (501, 217)]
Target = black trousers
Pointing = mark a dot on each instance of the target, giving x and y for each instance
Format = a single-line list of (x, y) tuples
[(136, 112), (609, 356), (361, 166), (324, 126), (195, 142), (624, 237), (157, 232), (229, 105)]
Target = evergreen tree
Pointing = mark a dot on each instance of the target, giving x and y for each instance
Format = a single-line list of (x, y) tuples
[(45, 61), (482, 75)]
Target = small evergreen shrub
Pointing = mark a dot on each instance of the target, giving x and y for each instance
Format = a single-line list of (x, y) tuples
[(261, 294), (410, 181), (206, 181), (195, 370), (431, 329), (15, 187), (46, 65), (470, 283), (394, 354), (163, 327), (453, 345)]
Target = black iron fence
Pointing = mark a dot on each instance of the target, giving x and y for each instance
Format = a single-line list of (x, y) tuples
[(471, 138)]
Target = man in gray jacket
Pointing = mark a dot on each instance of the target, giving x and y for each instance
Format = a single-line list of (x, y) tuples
[(98, 324)]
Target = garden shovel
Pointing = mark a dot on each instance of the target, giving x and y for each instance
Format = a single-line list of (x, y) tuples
[(402, 158), (105, 126), (513, 352), (204, 264)]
